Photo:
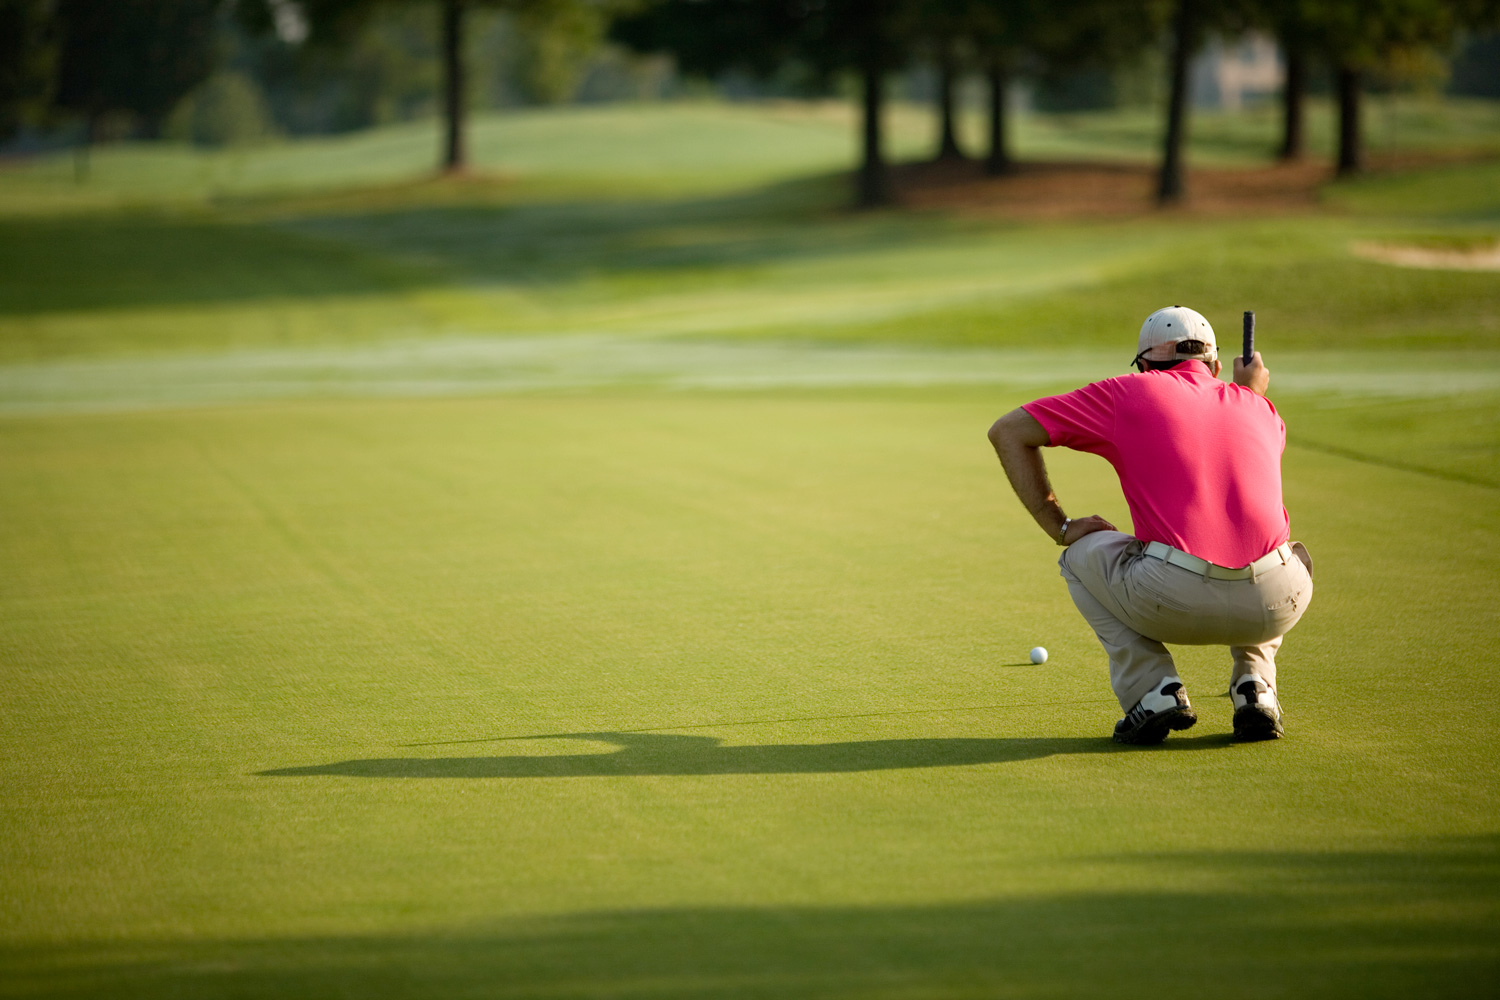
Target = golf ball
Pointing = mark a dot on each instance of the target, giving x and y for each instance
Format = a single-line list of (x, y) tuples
[(1038, 654)]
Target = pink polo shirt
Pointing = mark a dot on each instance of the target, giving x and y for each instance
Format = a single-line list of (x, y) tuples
[(1199, 460)]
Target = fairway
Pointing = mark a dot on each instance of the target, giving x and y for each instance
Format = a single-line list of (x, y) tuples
[(528, 589)]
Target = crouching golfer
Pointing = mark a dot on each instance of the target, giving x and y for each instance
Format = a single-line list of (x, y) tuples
[(1199, 462)]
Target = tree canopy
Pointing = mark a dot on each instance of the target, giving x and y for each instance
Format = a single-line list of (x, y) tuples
[(136, 59), (567, 26), (26, 61), (136, 56)]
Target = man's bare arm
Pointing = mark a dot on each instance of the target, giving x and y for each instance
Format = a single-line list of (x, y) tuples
[(1019, 440)]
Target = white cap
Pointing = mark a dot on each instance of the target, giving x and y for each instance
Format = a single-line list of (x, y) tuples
[(1165, 329)]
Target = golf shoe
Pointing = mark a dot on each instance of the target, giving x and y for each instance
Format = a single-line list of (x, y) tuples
[(1157, 714), (1257, 713)]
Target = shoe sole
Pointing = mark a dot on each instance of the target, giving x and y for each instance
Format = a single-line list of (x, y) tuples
[(1252, 724), (1157, 727)]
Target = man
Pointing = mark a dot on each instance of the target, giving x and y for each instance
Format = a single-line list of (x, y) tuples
[(1199, 462)]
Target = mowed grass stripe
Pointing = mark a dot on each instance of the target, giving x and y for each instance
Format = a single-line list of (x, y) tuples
[(482, 365), (1435, 412)]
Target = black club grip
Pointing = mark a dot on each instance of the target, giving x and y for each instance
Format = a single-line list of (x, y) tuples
[(1249, 352)]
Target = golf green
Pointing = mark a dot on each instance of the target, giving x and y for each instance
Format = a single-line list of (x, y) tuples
[(718, 694)]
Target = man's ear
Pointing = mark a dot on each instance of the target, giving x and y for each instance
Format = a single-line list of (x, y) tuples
[(1218, 367)]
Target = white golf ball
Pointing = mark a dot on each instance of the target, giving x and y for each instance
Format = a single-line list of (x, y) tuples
[(1038, 654)]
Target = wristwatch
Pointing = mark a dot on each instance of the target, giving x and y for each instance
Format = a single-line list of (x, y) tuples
[(1062, 534)]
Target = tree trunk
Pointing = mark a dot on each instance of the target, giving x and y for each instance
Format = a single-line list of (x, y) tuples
[(948, 148), (1351, 141), (1292, 98), (1171, 187), (82, 154), (455, 145), (874, 180), (999, 161)]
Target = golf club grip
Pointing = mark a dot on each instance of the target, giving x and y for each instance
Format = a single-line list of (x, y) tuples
[(1249, 352)]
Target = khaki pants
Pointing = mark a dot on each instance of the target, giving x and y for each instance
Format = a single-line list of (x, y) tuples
[(1135, 603)]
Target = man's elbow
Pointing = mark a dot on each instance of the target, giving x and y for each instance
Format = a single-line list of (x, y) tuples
[(1017, 427), (997, 432)]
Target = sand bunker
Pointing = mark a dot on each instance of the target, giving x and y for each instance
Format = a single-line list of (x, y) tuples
[(1485, 257)]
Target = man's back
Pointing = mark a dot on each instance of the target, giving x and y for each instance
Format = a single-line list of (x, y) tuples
[(1199, 460)]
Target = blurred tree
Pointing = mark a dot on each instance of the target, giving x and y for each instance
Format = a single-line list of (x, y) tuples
[(944, 24), (335, 22), (708, 37), (1082, 49), (455, 135), (1064, 42), (27, 60), (557, 41), (135, 56), (384, 70), (390, 69), (1191, 21), (227, 109), (871, 38), (1187, 35), (1359, 36), (1291, 22), (1476, 68), (1002, 32)]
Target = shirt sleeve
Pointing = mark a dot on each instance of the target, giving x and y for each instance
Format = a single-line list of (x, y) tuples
[(1083, 419)]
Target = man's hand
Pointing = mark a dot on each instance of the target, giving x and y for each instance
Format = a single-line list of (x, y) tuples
[(1080, 526), (1256, 376)]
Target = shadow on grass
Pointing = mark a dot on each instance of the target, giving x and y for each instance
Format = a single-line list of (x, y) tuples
[(1398, 924), (131, 261), (399, 243), (671, 754), (545, 242)]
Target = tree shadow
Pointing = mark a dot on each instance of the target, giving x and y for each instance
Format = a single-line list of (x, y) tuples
[(399, 243), (1416, 922), (545, 242), (662, 754), (114, 261)]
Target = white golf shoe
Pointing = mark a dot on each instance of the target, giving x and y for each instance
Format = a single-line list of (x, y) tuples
[(1257, 713), (1162, 710)]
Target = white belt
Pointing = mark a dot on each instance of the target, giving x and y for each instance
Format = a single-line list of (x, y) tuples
[(1161, 550)]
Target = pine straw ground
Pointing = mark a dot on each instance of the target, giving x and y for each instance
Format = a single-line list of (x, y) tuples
[(1057, 189)]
